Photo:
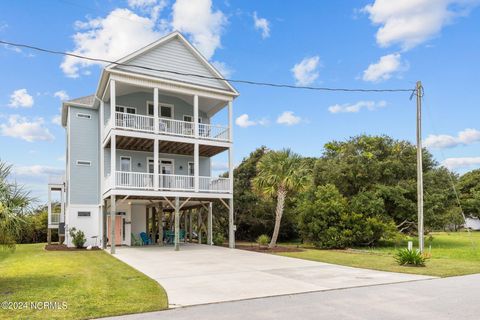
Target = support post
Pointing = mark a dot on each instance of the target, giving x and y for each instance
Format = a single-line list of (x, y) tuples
[(155, 164), (185, 224), (195, 115), (49, 236), (190, 225), (230, 168), (153, 230), (230, 121), (102, 149), (196, 166), (199, 225), (112, 224), (210, 224), (113, 103), (104, 224), (155, 109), (231, 227), (177, 224), (419, 91), (160, 225), (113, 160)]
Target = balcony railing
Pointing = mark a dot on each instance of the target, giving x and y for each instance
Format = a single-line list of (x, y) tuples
[(168, 126), (166, 182)]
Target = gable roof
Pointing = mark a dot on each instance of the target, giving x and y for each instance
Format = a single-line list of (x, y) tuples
[(179, 58), (85, 102)]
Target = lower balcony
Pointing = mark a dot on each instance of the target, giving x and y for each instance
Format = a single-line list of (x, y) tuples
[(166, 182)]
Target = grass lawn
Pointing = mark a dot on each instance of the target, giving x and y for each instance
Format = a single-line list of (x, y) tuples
[(452, 254), (92, 283)]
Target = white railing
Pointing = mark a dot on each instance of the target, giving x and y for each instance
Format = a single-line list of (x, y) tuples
[(213, 131), (211, 184), (134, 180), (134, 121), (176, 127), (54, 218), (175, 182), (167, 182)]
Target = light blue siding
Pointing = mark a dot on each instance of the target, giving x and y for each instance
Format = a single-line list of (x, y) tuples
[(84, 145), (139, 161), (174, 55)]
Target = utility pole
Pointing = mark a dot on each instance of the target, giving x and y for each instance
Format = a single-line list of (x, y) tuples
[(419, 93)]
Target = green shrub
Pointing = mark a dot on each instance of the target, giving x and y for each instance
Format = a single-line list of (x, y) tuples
[(406, 257), (263, 240), (218, 239), (136, 241), (78, 237)]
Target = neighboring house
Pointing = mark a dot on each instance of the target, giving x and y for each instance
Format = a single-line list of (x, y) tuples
[(141, 147), (472, 223)]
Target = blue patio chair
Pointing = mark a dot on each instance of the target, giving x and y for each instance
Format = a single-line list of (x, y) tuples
[(145, 238)]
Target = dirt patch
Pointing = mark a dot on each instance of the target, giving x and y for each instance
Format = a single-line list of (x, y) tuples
[(62, 247), (257, 248)]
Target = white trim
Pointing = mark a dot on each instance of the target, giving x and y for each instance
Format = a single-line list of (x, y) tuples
[(165, 39), (156, 194), (160, 105), (86, 116), (166, 159), (124, 109), (130, 159), (87, 163)]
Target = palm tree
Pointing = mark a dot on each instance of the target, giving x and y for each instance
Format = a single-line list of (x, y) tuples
[(279, 173), (14, 202)]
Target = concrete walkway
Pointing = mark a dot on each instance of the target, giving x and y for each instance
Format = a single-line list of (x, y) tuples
[(200, 274), (439, 299)]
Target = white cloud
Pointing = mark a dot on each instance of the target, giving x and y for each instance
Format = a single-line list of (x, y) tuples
[(288, 118), (37, 170), (356, 107), (62, 95), (410, 23), (202, 24), (120, 33), (57, 120), (223, 68), (21, 98), (442, 141), (461, 163), (22, 128), (62, 158), (141, 3), (384, 68), (306, 71), (262, 24), (244, 121)]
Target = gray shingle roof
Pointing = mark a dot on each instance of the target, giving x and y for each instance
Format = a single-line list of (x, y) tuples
[(87, 100)]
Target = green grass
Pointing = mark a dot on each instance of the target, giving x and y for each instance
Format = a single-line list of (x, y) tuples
[(451, 254), (92, 283)]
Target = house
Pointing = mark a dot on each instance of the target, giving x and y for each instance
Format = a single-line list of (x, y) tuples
[(138, 153)]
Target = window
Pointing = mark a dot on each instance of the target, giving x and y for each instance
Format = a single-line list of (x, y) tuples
[(189, 118), (84, 213), (191, 169), (165, 110), (84, 163), (124, 109), (84, 115), (125, 164)]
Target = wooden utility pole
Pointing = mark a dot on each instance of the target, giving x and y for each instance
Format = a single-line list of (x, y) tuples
[(419, 93)]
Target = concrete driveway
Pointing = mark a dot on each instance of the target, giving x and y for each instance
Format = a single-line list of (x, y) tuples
[(200, 274)]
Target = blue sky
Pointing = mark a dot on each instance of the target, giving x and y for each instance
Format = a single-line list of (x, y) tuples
[(366, 44)]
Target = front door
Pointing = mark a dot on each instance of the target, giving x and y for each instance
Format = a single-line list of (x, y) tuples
[(166, 171), (125, 168), (118, 229)]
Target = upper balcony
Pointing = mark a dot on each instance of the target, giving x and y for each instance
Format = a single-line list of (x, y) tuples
[(132, 108)]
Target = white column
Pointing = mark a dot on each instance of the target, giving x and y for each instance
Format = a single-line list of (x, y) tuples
[(199, 225), (210, 224), (230, 168), (155, 109), (112, 224), (62, 205), (177, 224), (195, 115), (231, 227), (190, 225), (113, 159), (102, 150), (49, 206), (113, 103), (196, 166), (155, 164), (160, 225), (230, 121)]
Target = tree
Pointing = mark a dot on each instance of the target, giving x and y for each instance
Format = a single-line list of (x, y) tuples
[(279, 173), (14, 202), (469, 192)]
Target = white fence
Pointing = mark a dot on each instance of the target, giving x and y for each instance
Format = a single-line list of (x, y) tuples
[(173, 182)]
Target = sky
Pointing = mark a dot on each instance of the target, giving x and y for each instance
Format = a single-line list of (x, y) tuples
[(374, 44)]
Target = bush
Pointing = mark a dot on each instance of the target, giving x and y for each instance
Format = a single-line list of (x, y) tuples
[(406, 257), (78, 237), (263, 240), (218, 239)]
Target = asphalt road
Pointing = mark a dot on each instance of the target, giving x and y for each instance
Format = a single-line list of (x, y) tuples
[(449, 298)]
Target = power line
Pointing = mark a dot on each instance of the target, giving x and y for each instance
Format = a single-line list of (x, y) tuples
[(250, 82)]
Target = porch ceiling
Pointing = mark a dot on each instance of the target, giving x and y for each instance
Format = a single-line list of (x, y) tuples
[(173, 147)]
